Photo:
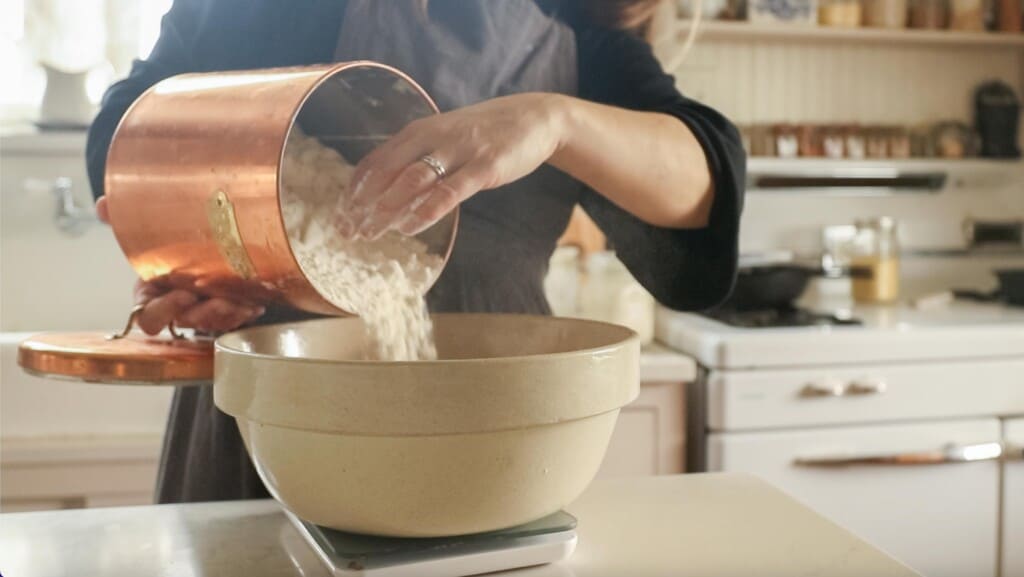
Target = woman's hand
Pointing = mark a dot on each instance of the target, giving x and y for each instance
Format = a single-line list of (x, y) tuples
[(162, 304), (650, 164), (481, 147)]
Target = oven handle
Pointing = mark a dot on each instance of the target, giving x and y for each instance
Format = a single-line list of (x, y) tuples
[(949, 454)]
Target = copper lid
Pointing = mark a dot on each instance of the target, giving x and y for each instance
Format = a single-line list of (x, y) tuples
[(134, 358)]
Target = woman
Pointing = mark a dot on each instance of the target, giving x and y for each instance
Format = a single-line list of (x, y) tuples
[(546, 104)]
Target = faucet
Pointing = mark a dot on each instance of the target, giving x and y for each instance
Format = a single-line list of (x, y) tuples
[(70, 218)]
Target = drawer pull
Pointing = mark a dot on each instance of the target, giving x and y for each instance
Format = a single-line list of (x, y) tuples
[(866, 387), (825, 389), (946, 455)]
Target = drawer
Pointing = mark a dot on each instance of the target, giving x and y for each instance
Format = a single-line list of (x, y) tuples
[(741, 400), (942, 519)]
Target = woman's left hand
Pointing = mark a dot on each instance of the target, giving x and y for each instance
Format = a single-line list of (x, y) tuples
[(480, 147)]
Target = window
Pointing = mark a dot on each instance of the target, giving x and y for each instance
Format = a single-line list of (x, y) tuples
[(98, 36)]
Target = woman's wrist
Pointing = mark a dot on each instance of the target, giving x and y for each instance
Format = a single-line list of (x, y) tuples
[(562, 113), (648, 163)]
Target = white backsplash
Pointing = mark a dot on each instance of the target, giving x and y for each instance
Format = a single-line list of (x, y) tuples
[(757, 81)]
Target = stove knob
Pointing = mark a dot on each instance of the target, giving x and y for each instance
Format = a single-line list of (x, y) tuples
[(866, 387), (823, 388)]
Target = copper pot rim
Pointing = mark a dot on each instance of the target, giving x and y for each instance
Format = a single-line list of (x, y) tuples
[(327, 74)]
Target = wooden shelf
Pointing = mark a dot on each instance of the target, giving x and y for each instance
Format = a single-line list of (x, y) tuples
[(728, 30), (817, 175), (762, 163)]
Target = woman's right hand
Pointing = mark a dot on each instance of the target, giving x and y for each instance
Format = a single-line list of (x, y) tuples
[(188, 310), (162, 305)]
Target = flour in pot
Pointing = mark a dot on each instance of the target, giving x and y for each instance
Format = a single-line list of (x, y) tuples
[(382, 281)]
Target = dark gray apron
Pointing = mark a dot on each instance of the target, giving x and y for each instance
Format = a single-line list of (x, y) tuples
[(469, 51)]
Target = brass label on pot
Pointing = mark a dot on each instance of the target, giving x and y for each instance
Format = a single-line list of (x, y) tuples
[(221, 214)]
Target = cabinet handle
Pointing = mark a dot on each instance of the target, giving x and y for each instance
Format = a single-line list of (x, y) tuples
[(866, 387), (824, 389), (946, 455)]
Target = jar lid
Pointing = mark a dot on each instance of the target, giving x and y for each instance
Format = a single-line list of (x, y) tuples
[(130, 357)]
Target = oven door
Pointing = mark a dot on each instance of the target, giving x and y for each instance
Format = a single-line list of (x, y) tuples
[(926, 493), (1013, 498)]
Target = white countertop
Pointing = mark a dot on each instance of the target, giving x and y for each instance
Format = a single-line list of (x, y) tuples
[(701, 525), (659, 364)]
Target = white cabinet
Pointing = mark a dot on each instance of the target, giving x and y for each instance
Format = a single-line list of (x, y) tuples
[(65, 444), (1013, 499), (941, 519), (649, 436), (53, 280)]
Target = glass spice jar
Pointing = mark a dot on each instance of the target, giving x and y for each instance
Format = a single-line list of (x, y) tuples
[(875, 262), (762, 141), (877, 143), (899, 143), (929, 14), (1009, 16), (840, 13), (833, 143), (810, 141), (856, 144), (967, 15), (885, 13), (787, 142)]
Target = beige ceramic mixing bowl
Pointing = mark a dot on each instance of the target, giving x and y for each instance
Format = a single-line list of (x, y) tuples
[(509, 426)]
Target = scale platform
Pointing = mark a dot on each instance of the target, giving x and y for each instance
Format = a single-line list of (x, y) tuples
[(547, 540)]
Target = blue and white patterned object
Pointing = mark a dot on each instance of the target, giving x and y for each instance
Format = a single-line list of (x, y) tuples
[(790, 11)]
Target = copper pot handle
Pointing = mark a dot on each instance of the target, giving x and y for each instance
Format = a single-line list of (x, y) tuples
[(136, 310)]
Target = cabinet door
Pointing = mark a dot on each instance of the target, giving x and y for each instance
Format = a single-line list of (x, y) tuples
[(940, 519), (649, 436), (1013, 499)]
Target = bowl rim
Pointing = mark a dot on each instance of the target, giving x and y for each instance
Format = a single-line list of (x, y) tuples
[(222, 345)]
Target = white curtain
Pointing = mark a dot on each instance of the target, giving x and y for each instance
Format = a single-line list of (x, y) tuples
[(100, 37), (69, 35)]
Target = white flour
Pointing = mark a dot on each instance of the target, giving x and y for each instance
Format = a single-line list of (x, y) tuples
[(382, 281)]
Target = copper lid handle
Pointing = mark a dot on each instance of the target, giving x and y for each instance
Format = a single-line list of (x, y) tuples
[(136, 310)]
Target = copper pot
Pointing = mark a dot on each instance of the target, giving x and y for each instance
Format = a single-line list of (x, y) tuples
[(194, 172)]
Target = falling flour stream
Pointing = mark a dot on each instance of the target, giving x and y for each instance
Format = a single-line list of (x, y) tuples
[(382, 281)]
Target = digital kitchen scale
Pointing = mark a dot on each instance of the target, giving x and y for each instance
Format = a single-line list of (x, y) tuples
[(547, 540)]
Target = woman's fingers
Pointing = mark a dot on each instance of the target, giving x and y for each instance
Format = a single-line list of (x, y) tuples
[(187, 310), (159, 311), (445, 195), (102, 211), (382, 166), (405, 194), (217, 315)]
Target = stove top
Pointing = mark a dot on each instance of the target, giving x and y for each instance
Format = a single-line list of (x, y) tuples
[(782, 317), (832, 333)]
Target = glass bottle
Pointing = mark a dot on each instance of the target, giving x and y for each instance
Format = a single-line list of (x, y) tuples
[(876, 262)]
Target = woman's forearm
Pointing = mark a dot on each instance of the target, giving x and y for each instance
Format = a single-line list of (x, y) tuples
[(649, 164)]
